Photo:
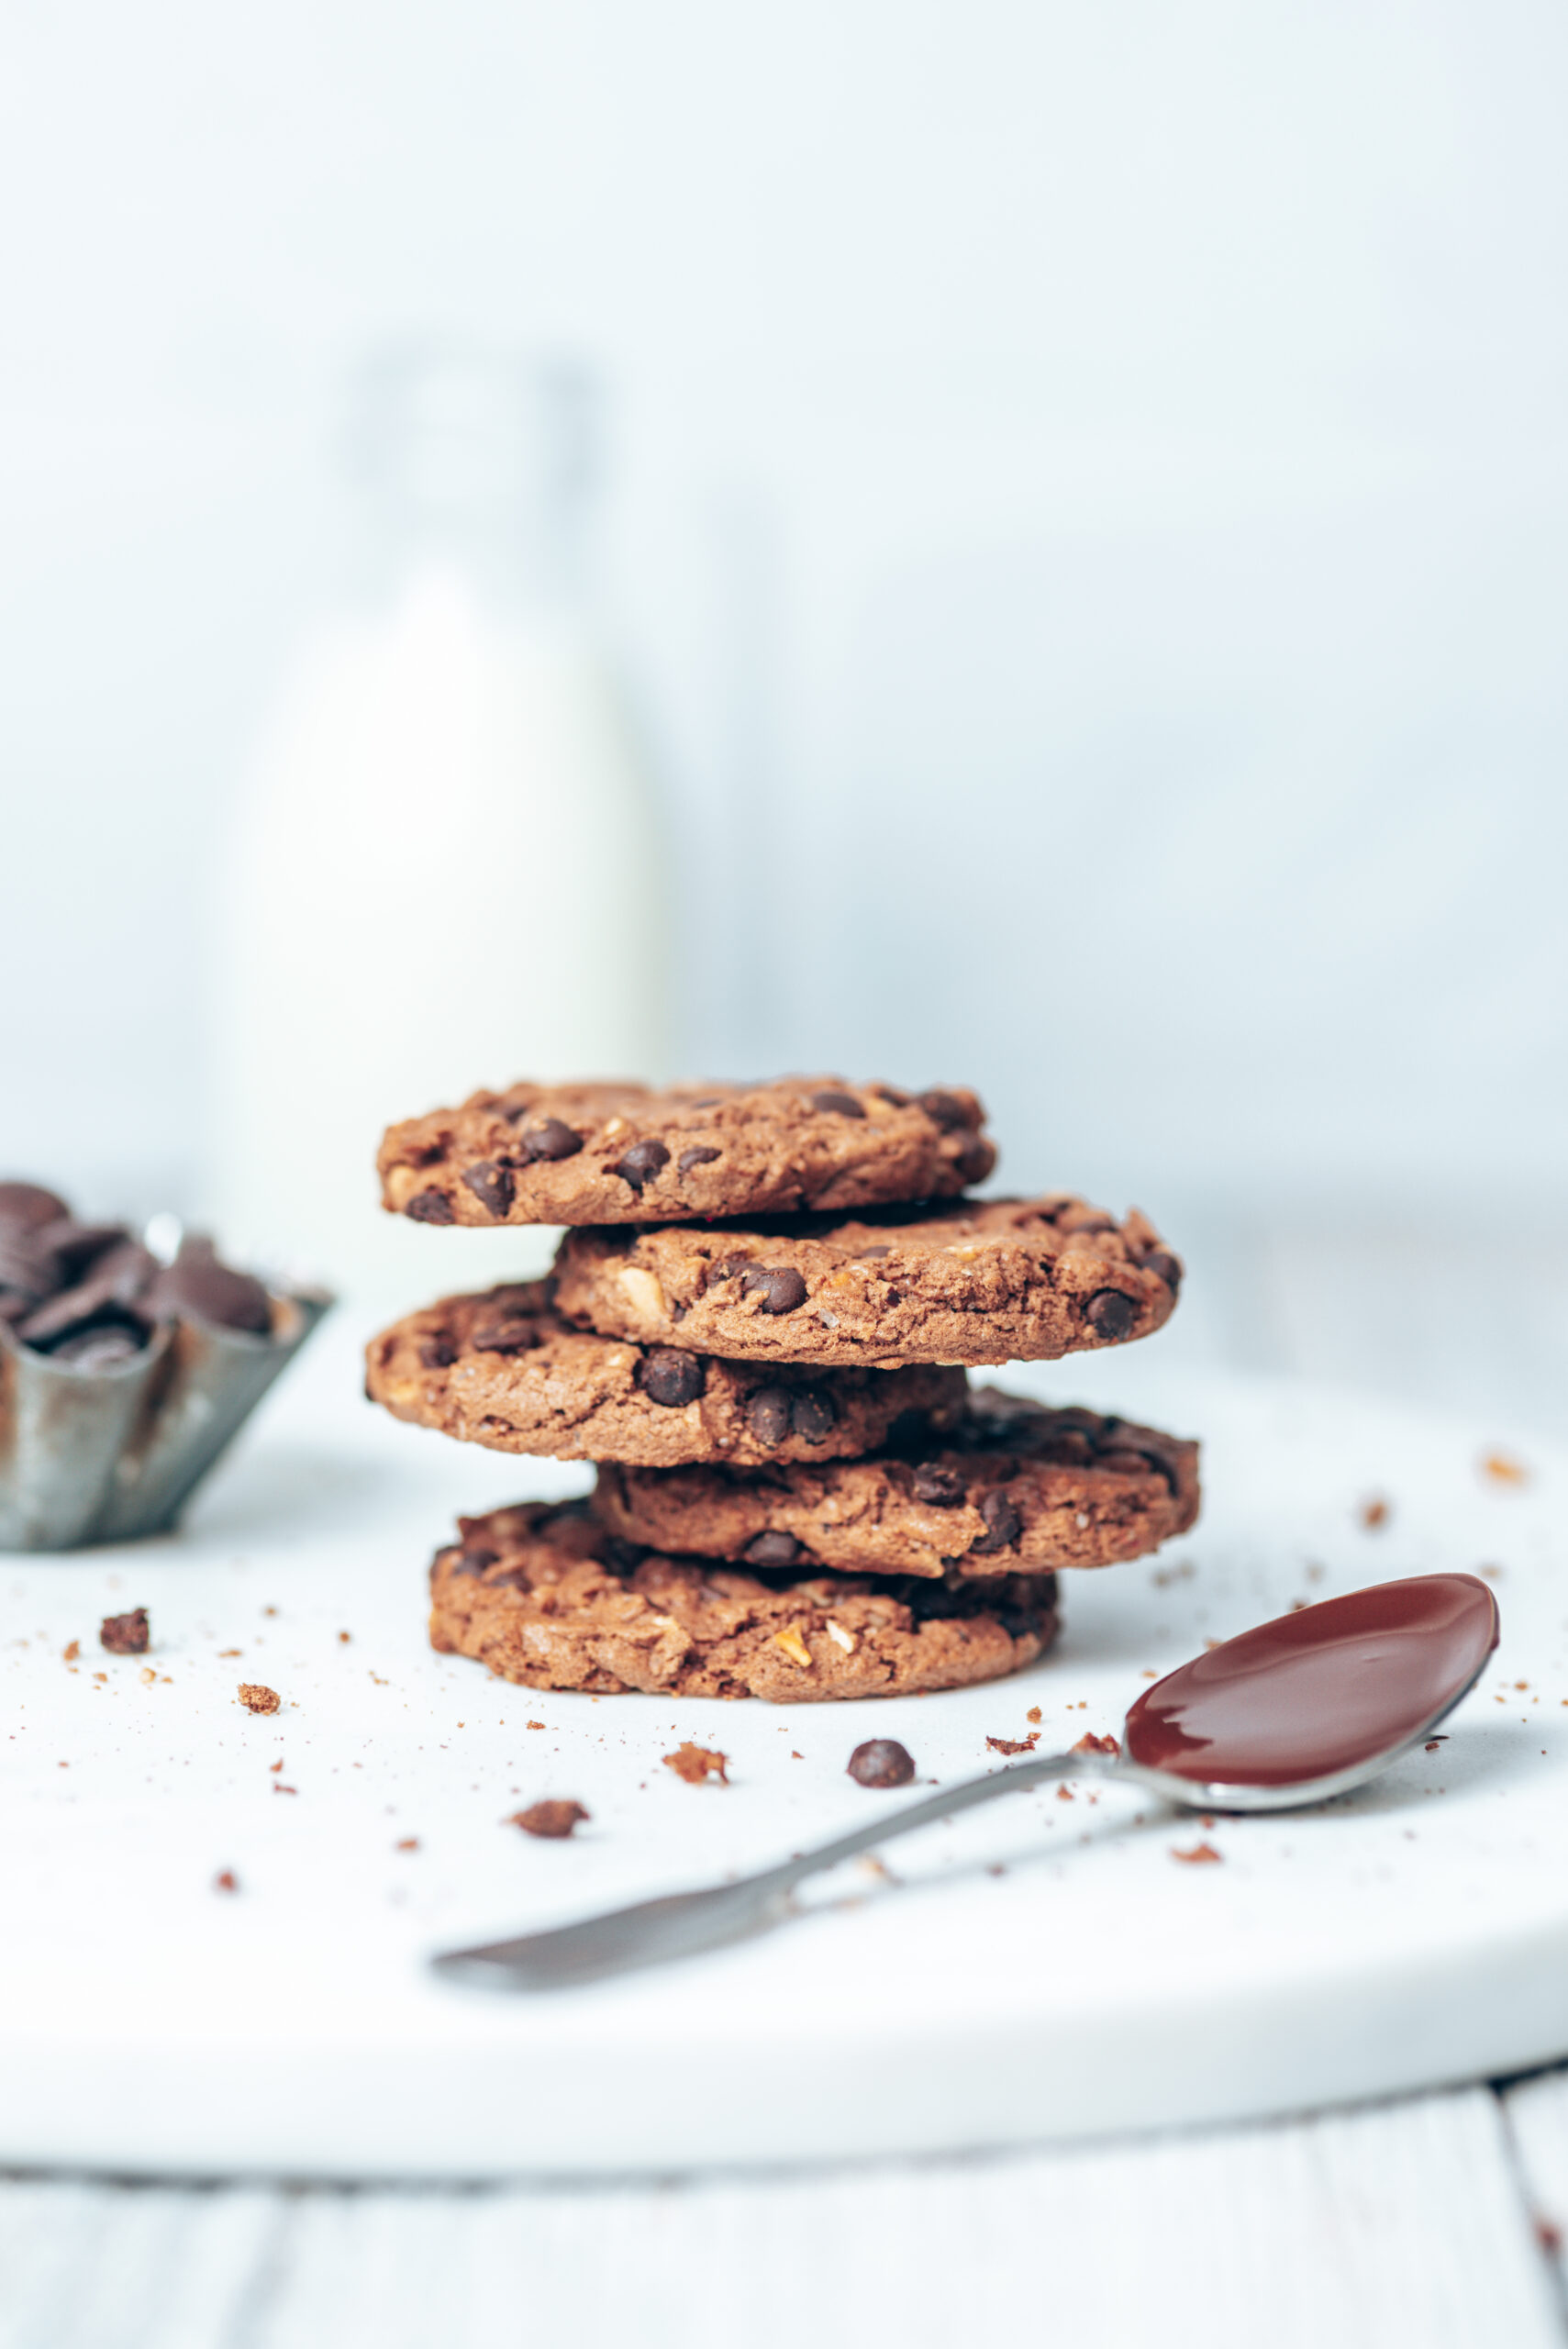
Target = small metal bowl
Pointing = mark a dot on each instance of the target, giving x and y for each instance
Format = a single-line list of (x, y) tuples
[(114, 1453)]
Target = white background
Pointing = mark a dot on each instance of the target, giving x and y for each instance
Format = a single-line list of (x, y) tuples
[(1086, 525)]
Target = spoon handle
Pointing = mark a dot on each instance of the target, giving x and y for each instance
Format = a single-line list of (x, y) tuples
[(680, 1925)]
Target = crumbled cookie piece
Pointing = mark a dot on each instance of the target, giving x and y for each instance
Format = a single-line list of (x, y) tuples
[(257, 1698), (225, 1881), (126, 1635), (551, 1819), (1015, 1745), (698, 1763)]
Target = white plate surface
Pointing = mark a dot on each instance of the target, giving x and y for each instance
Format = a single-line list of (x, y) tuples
[(1048, 1968)]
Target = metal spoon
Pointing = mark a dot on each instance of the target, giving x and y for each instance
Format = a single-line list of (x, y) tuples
[(1309, 1706)]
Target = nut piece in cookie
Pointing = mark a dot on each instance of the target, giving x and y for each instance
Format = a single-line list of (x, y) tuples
[(627, 1154), (544, 1596), (971, 1281), (506, 1370)]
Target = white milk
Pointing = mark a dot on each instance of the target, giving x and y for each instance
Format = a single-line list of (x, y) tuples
[(447, 872)]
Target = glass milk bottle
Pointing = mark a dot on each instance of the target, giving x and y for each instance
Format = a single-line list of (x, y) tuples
[(446, 868)]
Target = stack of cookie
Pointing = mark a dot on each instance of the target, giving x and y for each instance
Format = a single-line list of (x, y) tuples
[(760, 1327)]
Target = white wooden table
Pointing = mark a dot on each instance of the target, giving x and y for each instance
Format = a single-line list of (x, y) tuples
[(1440, 2219)]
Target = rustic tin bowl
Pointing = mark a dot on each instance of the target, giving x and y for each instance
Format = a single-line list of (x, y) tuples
[(114, 1453)]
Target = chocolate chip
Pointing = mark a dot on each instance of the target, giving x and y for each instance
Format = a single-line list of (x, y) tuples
[(690, 1158), (731, 1267), (945, 1109), (890, 1093), (125, 1635), (1002, 1525), (1110, 1314), (667, 1375), (813, 1415), (780, 1287), (882, 1761), (438, 1354), (549, 1138), (549, 1819), (974, 1161), (837, 1104), (494, 1186), (1168, 1268), (470, 1562), (512, 1333), (772, 1549), (430, 1206), (768, 1414), (641, 1162), (938, 1485), (27, 1270)]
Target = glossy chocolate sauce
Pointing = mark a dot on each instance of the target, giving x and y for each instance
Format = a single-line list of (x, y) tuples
[(1320, 1691)]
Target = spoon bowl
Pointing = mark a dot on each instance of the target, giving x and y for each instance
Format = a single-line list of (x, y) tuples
[(1292, 1713)]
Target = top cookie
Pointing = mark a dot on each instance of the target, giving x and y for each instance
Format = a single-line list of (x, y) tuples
[(976, 1281), (626, 1153)]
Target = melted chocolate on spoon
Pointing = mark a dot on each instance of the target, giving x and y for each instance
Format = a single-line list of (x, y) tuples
[(1318, 1691)]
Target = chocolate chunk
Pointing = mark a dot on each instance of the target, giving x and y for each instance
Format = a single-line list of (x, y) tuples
[(642, 1162), (773, 1549), (26, 1206), (430, 1206), (510, 1334), (882, 1761), (667, 1375), (768, 1413), (28, 1271), (781, 1288), (77, 1245), (549, 1819), (946, 1111), (1167, 1267), (492, 1186), (890, 1093), (125, 1635), (438, 1354), (813, 1415), (1003, 1524), (121, 1279), (690, 1158), (551, 1138), (938, 1485), (104, 1346), (837, 1104), (1111, 1313), (974, 1161), (197, 1288), (474, 1561)]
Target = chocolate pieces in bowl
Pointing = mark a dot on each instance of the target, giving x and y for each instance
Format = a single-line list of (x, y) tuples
[(122, 1377)]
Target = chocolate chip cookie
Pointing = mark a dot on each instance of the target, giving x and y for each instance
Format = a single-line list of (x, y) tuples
[(504, 1369), (625, 1154), (1011, 1488), (545, 1596), (976, 1281)]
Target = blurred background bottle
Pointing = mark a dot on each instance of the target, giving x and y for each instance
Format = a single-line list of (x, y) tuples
[(446, 866)]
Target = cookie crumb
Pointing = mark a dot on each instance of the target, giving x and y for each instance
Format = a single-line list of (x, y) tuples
[(258, 1699), (1090, 1743), (228, 1652), (533, 1724), (1199, 1853), (70, 1653), (696, 1764), (225, 1881), (549, 1819), (344, 1637), (126, 1635), (882, 1761), (1503, 1469), (1033, 1714), (1014, 1744), (409, 1843), (1374, 1514)]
